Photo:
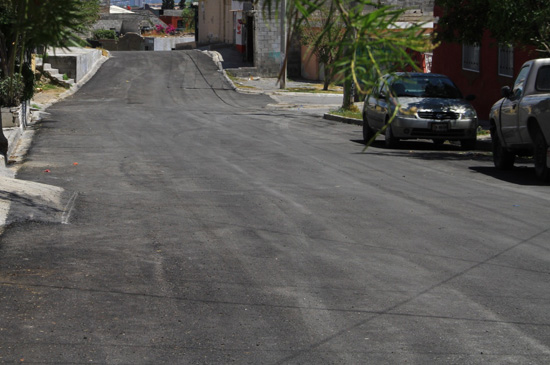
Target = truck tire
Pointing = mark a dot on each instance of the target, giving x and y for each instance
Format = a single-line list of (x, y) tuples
[(468, 144), (502, 158), (540, 155)]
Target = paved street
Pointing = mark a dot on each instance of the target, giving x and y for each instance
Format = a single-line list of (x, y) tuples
[(208, 227)]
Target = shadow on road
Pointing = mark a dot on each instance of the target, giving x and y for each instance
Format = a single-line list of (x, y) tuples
[(519, 175), (522, 174)]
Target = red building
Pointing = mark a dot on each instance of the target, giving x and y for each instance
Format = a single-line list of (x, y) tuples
[(481, 69), (172, 17)]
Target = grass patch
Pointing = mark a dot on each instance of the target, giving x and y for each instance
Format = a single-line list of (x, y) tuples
[(42, 86), (482, 132), (48, 87), (238, 82), (312, 90), (354, 112)]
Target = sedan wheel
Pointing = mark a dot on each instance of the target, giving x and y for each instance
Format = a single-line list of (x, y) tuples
[(368, 133), (391, 141), (468, 144)]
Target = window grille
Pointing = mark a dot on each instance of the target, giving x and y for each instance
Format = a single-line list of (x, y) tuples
[(470, 57), (506, 61)]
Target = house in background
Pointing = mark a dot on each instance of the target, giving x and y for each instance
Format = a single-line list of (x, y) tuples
[(124, 21), (254, 33), (481, 70), (215, 22), (172, 17)]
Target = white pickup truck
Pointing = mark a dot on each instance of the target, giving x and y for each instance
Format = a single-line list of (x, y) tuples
[(520, 121)]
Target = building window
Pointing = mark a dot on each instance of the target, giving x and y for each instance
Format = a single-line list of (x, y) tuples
[(506, 61), (470, 57)]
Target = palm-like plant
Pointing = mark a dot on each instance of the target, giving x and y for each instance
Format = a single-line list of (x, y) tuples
[(26, 24), (373, 42)]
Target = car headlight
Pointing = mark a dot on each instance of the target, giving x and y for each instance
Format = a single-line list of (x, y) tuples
[(469, 114), (407, 112)]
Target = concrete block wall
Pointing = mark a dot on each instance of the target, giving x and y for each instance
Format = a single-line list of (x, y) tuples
[(267, 46)]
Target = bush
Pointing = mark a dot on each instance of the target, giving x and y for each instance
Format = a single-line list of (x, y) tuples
[(188, 18), (14, 89), (104, 34), (11, 90)]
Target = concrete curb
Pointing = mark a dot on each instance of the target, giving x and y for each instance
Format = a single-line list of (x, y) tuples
[(28, 200), (341, 119), (218, 59)]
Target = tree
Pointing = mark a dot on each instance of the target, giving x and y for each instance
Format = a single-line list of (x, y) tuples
[(515, 22), (373, 42), (25, 25), (182, 4), (167, 4), (188, 19), (321, 35)]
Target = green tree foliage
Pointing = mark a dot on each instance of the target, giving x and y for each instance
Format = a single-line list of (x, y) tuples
[(104, 34), (373, 42), (516, 22), (167, 4), (26, 24), (321, 39), (188, 19)]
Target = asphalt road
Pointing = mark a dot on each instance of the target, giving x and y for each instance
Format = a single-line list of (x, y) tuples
[(211, 229)]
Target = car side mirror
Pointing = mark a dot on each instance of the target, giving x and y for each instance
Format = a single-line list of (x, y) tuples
[(470, 97), (506, 92)]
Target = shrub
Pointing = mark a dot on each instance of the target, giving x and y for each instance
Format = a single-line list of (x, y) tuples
[(11, 90), (14, 89), (188, 18), (104, 34), (170, 29)]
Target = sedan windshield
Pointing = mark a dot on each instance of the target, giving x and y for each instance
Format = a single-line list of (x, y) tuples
[(426, 87)]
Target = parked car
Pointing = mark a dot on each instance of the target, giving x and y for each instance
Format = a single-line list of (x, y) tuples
[(429, 106), (520, 121)]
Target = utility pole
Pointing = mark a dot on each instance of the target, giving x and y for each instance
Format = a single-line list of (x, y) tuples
[(282, 16)]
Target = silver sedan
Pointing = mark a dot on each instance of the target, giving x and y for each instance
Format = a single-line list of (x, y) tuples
[(423, 106)]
